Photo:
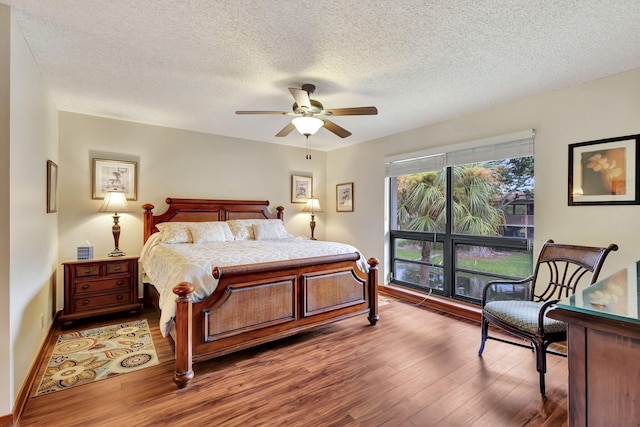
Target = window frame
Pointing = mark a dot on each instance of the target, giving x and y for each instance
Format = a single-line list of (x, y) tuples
[(522, 145)]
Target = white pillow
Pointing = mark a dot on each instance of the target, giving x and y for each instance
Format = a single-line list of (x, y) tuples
[(205, 232), (242, 229), (267, 231), (174, 232)]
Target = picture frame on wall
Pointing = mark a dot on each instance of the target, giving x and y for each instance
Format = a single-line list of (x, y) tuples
[(605, 172), (301, 188), (114, 175), (344, 197), (52, 187)]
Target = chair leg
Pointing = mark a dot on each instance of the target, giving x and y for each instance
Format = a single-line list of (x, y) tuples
[(541, 363), (484, 334)]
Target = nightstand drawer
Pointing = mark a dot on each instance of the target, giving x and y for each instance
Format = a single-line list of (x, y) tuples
[(86, 286), (107, 300), (117, 267), (87, 270)]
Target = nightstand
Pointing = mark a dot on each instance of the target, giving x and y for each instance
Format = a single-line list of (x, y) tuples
[(100, 286)]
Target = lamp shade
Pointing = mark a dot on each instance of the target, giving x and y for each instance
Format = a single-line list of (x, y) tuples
[(307, 125), (312, 206), (115, 201)]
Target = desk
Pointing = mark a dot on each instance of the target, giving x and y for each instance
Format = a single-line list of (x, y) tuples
[(603, 340)]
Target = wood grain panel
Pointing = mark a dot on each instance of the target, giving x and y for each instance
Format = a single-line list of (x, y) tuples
[(331, 289), (613, 378), (263, 305), (577, 344)]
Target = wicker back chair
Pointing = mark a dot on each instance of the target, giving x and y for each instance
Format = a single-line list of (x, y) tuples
[(520, 307)]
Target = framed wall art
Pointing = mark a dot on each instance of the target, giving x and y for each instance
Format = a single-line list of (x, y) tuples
[(114, 175), (605, 172), (52, 187), (344, 197), (301, 188)]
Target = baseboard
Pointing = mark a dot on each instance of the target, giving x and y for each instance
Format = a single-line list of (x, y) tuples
[(435, 302), (6, 420), (27, 386)]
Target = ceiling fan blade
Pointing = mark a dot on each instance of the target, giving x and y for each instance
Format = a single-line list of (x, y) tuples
[(355, 111), (302, 97), (338, 130), (263, 112), (286, 130)]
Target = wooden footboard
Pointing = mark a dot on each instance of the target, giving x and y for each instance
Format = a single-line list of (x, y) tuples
[(258, 303)]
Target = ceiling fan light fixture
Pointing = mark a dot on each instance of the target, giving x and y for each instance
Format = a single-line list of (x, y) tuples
[(307, 125)]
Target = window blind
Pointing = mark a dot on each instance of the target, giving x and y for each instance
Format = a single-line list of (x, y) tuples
[(505, 150), (519, 144), (415, 165)]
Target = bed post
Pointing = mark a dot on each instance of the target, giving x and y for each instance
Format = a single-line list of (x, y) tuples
[(373, 291), (184, 307), (148, 220), (280, 214)]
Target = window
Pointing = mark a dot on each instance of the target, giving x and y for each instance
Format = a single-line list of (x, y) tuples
[(462, 218)]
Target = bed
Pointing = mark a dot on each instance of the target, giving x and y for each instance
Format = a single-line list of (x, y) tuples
[(247, 303)]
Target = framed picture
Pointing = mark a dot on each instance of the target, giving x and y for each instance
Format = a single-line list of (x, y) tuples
[(114, 175), (605, 172), (301, 188), (52, 187), (344, 197)]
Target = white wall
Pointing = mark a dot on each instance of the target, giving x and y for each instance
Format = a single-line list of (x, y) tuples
[(5, 143), (604, 108), (171, 163), (33, 235)]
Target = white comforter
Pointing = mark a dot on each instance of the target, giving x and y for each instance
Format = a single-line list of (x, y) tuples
[(166, 265)]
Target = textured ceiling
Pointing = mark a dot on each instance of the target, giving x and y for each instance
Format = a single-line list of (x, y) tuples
[(192, 64)]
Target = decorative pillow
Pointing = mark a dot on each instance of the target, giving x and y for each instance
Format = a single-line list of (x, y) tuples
[(242, 229), (175, 232), (268, 231), (205, 232)]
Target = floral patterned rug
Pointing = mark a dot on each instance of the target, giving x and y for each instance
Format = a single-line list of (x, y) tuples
[(95, 354)]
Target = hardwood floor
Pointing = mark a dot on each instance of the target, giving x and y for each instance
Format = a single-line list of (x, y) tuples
[(415, 368)]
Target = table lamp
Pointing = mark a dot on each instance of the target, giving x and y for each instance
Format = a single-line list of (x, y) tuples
[(115, 201), (313, 207)]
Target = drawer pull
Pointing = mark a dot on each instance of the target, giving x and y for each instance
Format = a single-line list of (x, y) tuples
[(85, 302), (88, 271), (85, 287), (117, 268), (120, 282), (119, 297)]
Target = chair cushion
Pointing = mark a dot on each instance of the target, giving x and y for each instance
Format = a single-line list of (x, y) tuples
[(524, 315)]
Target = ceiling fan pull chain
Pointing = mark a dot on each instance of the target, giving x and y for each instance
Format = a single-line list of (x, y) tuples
[(308, 154)]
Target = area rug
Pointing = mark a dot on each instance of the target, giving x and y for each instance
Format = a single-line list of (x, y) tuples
[(95, 354)]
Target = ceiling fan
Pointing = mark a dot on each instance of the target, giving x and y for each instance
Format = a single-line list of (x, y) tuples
[(311, 115)]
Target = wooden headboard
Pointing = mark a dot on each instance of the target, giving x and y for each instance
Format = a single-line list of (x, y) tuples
[(198, 210)]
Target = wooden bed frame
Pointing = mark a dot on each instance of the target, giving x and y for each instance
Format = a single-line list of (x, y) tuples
[(258, 303)]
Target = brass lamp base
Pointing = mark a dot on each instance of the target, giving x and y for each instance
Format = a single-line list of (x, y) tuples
[(116, 237), (312, 224), (116, 252)]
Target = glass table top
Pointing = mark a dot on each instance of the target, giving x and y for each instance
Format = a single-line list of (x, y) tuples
[(615, 297)]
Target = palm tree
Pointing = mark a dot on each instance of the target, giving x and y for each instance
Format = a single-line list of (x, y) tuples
[(422, 209), (423, 202), (474, 208)]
